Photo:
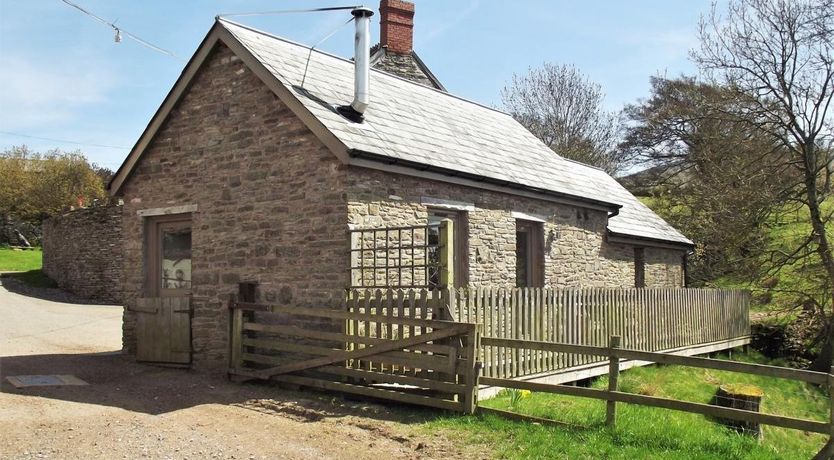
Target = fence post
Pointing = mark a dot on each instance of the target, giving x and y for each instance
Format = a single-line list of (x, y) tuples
[(613, 378), (473, 369), (235, 334), (446, 304), (827, 451), (831, 402), (447, 253)]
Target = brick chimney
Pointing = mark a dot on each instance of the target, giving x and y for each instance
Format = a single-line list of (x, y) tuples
[(396, 26)]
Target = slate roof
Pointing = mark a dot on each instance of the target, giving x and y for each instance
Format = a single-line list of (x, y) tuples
[(415, 124)]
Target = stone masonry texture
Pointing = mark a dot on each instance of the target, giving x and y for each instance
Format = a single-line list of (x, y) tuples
[(270, 209), (403, 65), (576, 252), (82, 252), (274, 207)]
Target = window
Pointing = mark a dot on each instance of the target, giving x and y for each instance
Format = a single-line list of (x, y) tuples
[(168, 256), (639, 268), (529, 253), (461, 243)]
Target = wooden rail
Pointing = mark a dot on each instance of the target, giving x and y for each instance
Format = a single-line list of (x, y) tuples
[(646, 319), (612, 395), (402, 354)]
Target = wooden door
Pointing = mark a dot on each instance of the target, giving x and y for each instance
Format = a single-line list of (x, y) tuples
[(163, 326), (164, 316)]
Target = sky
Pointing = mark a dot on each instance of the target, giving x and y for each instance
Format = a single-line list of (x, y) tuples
[(64, 78)]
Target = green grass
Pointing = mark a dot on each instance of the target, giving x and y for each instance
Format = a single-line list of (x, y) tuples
[(26, 265), (13, 260), (787, 229), (643, 432)]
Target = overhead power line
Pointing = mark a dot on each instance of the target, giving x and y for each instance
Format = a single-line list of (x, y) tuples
[(64, 141), (266, 13), (310, 54), (119, 31)]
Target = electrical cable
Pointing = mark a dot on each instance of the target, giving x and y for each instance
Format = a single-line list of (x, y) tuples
[(63, 141), (265, 13), (310, 54), (120, 31)]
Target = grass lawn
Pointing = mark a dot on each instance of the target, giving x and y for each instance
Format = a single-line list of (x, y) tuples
[(13, 260), (27, 264), (644, 432)]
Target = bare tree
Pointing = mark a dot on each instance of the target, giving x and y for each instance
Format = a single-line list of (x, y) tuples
[(564, 109), (780, 54)]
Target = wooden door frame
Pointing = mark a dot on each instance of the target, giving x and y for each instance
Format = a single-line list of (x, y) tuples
[(461, 242), (535, 251), (152, 253)]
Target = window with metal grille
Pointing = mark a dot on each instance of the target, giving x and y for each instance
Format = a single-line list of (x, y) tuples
[(396, 257)]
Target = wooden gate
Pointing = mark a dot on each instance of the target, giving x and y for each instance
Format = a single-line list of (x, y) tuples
[(429, 362), (163, 330)]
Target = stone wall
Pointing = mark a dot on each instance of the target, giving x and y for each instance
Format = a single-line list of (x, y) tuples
[(576, 252), (664, 267), (270, 209), (403, 65), (82, 252)]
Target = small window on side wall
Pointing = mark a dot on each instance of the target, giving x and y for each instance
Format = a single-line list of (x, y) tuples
[(529, 253), (639, 268)]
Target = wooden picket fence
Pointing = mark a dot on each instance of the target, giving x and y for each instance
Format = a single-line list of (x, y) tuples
[(646, 319), (426, 343), (400, 354), (435, 347)]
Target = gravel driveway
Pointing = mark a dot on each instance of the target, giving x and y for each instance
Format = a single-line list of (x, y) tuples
[(131, 410)]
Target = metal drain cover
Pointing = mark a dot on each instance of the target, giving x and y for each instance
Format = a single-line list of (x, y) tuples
[(23, 381)]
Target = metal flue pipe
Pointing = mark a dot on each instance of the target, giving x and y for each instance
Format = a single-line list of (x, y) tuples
[(362, 58)]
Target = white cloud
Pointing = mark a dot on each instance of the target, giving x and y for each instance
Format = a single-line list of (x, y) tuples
[(35, 93)]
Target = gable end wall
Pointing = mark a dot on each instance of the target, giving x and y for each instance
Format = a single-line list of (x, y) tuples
[(269, 195)]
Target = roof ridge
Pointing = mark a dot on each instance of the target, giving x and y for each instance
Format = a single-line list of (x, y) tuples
[(292, 42), (580, 163)]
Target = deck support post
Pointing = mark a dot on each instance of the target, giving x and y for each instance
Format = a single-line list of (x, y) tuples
[(613, 380)]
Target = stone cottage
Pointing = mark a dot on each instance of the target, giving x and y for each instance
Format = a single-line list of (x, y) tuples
[(245, 176)]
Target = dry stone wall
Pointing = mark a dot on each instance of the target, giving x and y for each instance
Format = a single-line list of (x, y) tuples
[(82, 252)]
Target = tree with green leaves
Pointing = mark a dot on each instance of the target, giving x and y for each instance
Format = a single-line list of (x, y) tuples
[(34, 186), (713, 179), (777, 57)]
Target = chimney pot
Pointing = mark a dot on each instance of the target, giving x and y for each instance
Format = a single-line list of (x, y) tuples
[(396, 26)]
